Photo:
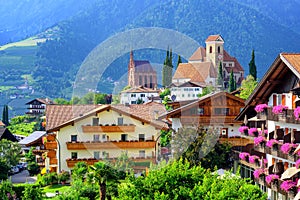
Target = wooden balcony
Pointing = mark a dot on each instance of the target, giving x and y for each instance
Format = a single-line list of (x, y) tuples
[(53, 161), (51, 137), (110, 145), (108, 129), (51, 154), (90, 161), (215, 119), (236, 141), (287, 116), (51, 145)]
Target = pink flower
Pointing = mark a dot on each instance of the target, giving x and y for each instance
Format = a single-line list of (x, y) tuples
[(271, 177), (260, 107), (258, 140), (279, 109), (243, 155), (287, 185), (243, 128), (271, 142), (265, 161), (263, 133), (251, 131), (253, 158), (297, 164), (285, 148), (258, 172), (297, 113)]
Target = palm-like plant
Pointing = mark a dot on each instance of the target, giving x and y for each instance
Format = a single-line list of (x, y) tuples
[(100, 173)]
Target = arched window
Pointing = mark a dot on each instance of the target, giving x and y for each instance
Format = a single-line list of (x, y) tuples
[(219, 49), (210, 49)]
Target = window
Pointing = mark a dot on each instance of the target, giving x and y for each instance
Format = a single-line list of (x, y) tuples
[(151, 82), (182, 95), (189, 95), (190, 89), (133, 95), (200, 111), (105, 154), (210, 49), (141, 137), (104, 137), (193, 111), (140, 80), (74, 155), (120, 121), (97, 155), (221, 111), (133, 102), (124, 137), (219, 49), (230, 64), (143, 95), (95, 122), (142, 154), (197, 89), (97, 138), (146, 81), (73, 138), (185, 89)]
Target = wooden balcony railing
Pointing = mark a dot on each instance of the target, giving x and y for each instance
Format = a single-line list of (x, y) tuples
[(208, 119), (287, 116), (90, 161), (51, 145), (110, 145), (51, 154), (51, 137), (53, 161), (107, 129), (236, 141)]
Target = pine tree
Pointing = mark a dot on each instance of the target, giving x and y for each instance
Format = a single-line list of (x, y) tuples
[(252, 66), (220, 75), (5, 115), (179, 60), (232, 84), (167, 69)]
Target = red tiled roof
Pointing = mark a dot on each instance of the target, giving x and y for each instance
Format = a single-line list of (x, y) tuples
[(237, 67), (199, 54), (139, 89), (213, 38)]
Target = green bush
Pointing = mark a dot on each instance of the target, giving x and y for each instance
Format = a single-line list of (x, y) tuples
[(32, 193), (6, 190), (19, 188), (63, 177)]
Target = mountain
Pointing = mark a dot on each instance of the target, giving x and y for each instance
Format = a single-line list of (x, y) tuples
[(268, 27)]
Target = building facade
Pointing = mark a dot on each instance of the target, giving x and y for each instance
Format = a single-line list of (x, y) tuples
[(138, 95)]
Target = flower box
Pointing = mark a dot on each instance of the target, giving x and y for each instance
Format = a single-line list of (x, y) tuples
[(279, 109), (253, 132), (260, 108), (297, 113), (244, 129)]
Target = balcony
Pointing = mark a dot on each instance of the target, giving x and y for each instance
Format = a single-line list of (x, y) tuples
[(236, 141), (110, 145), (51, 137), (53, 161), (108, 128), (51, 154), (287, 116), (51, 145)]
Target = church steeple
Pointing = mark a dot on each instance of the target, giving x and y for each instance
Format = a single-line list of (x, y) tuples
[(131, 69)]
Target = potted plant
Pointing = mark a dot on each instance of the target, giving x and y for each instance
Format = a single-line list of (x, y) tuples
[(261, 110), (244, 129), (253, 132), (259, 174), (260, 142), (281, 111), (297, 113), (244, 156), (289, 186), (272, 177), (286, 148), (254, 159)]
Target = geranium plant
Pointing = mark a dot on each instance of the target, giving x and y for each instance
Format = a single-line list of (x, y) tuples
[(286, 148), (252, 131), (271, 142), (243, 155), (253, 158), (287, 185), (263, 133), (260, 107), (279, 109), (297, 164), (258, 140), (271, 177), (258, 172), (242, 129), (297, 113)]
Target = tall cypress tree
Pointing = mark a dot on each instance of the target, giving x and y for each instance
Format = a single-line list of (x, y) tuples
[(232, 84), (167, 69), (5, 115), (220, 75), (252, 66), (179, 60)]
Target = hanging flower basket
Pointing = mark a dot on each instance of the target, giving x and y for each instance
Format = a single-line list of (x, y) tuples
[(260, 108), (244, 156), (260, 140), (271, 177), (272, 143), (253, 159), (286, 148), (253, 132), (279, 109), (297, 113), (258, 173)]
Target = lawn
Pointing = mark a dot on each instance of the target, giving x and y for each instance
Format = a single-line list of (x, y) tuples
[(54, 188)]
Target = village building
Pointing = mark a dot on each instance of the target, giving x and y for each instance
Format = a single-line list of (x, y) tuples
[(38, 106), (141, 73), (92, 133), (202, 66), (139, 95), (271, 120)]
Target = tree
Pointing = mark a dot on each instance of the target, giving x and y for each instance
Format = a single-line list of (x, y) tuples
[(167, 70), (207, 90), (5, 115), (220, 79), (252, 66), (139, 101), (79, 171), (179, 60), (180, 180), (100, 173), (32, 167), (247, 87), (232, 83)]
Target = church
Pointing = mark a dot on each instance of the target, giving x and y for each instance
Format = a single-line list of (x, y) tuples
[(141, 73)]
